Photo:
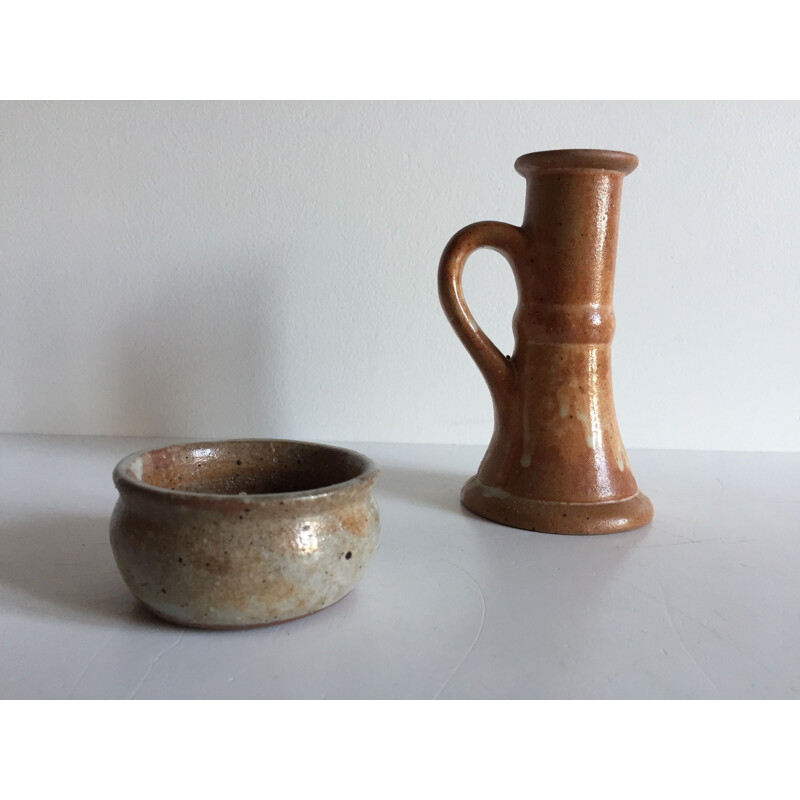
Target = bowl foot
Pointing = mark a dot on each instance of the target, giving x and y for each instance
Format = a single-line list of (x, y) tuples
[(212, 627)]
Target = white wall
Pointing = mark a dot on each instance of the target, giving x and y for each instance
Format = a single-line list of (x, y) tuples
[(269, 269)]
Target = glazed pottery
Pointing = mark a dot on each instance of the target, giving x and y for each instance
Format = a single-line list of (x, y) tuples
[(556, 462), (237, 534)]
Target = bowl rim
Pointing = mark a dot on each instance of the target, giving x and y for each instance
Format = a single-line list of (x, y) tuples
[(124, 477)]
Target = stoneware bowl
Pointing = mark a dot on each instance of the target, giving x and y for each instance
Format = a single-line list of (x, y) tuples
[(237, 534)]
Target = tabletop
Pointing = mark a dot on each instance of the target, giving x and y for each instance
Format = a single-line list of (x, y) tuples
[(704, 602)]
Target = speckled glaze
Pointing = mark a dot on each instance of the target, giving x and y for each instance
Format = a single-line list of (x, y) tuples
[(238, 534), (556, 462)]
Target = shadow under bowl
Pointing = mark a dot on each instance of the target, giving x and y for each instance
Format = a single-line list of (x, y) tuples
[(243, 533)]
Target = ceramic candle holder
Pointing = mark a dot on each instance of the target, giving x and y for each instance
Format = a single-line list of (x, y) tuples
[(556, 461), (237, 534)]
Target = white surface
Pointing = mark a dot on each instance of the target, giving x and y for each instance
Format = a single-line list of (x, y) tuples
[(702, 603), (201, 269)]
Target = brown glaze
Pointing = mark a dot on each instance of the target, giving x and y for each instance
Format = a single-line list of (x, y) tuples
[(239, 534), (556, 462)]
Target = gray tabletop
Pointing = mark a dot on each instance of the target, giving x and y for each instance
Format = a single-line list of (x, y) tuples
[(702, 603)]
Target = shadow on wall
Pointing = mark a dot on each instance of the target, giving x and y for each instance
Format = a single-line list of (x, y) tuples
[(196, 358)]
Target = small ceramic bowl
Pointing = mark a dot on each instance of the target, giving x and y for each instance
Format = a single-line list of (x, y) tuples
[(237, 534)]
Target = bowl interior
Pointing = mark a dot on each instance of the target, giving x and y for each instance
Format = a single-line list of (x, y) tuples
[(261, 466)]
